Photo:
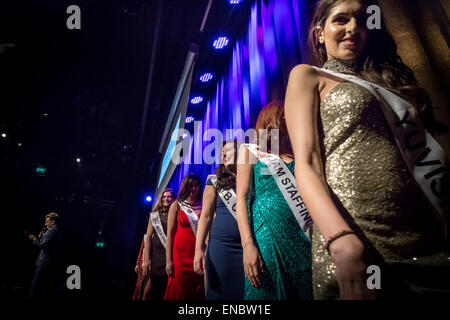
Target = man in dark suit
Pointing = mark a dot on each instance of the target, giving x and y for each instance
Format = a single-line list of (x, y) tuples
[(47, 242)]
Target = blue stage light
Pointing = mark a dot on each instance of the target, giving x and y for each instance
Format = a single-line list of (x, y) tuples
[(189, 119), (196, 100), (148, 199), (220, 43), (235, 1), (206, 77)]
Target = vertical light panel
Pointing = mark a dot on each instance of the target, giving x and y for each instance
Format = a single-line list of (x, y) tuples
[(258, 71)]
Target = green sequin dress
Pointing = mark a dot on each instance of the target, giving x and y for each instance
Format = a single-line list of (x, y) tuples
[(284, 248)]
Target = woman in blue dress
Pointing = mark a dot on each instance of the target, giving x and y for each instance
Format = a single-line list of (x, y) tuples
[(223, 260), (276, 251)]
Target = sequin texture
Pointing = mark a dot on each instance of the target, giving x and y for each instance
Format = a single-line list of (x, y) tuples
[(284, 248), (370, 183)]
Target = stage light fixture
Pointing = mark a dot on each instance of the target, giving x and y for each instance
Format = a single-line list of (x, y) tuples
[(78, 159), (196, 100), (148, 199), (3, 135), (189, 119), (220, 43), (206, 77), (235, 1)]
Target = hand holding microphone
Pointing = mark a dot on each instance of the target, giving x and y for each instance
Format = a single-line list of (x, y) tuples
[(42, 231), (33, 237)]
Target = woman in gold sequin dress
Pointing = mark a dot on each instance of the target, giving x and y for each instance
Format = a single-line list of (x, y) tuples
[(350, 172)]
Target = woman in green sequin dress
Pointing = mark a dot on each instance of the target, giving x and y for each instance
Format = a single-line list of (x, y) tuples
[(277, 253), (350, 172)]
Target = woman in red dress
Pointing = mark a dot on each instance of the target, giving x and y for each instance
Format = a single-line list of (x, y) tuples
[(183, 282)]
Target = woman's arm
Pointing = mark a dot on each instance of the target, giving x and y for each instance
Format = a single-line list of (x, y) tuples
[(204, 225), (252, 258), (146, 261), (171, 230), (301, 113)]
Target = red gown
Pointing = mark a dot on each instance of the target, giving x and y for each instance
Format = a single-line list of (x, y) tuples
[(184, 284), (139, 275)]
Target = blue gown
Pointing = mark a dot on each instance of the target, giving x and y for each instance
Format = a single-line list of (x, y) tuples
[(224, 266)]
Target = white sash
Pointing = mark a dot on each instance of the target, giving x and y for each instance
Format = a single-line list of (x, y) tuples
[(228, 196), (191, 215), (288, 186), (424, 157), (157, 226)]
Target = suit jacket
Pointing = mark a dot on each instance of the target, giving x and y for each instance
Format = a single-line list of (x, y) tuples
[(47, 243)]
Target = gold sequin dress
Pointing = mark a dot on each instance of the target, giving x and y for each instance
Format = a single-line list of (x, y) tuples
[(374, 191)]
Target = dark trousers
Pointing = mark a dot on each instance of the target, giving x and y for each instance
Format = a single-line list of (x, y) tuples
[(41, 285)]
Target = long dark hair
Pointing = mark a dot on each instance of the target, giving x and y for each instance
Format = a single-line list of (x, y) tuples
[(185, 188), (379, 63), (159, 206), (225, 177)]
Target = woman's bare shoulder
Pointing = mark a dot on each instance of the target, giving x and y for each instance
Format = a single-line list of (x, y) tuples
[(174, 205), (304, 73), (304, 70)]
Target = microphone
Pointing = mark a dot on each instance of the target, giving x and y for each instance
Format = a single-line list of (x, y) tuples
[(42, 231)]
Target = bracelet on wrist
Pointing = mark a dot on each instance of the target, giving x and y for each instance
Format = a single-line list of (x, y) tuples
[(336, 236)]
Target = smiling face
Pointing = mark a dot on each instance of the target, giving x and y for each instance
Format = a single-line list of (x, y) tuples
[(228, 154), (167, 199), (345, 33)]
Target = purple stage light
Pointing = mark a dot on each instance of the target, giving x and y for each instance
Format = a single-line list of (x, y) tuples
[(274, 37), (206, 77), (220, 43), (196, 100), (189, 119)]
